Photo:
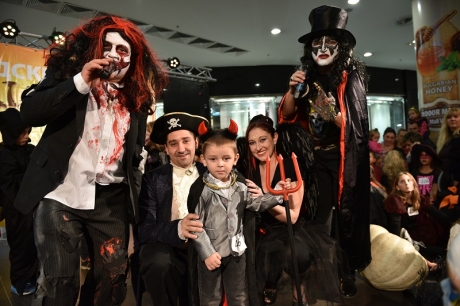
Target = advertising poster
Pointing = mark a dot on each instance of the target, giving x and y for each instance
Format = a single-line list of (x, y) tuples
[(20, 67), (437, 48)]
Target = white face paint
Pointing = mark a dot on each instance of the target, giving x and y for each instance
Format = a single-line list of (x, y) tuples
[(119, 50), (324, 50)]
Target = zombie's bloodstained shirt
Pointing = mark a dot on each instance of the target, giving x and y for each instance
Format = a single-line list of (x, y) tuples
[(98, 155), (425, 181)]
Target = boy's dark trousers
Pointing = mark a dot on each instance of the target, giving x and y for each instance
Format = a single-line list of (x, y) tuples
[(231, 275)]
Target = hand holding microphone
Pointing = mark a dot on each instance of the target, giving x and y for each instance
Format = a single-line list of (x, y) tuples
[(91, 71), (306, 68)]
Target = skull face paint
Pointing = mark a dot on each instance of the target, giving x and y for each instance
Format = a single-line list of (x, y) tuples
[(324, 50), (118, 49)]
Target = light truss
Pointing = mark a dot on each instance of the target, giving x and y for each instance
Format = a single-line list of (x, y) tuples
[(199, 74), (28, 40)]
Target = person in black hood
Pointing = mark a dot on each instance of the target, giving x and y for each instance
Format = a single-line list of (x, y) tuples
[(14, 157)]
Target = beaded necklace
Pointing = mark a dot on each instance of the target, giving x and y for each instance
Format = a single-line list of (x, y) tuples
[(215, 187)]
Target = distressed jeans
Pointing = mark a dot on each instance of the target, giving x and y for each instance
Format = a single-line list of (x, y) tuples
[(58, 231)]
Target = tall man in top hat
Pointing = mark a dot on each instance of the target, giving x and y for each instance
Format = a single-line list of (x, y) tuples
[(165, 223), (85, 171), (333, 108)]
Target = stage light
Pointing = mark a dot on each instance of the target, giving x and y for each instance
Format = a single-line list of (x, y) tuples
[(173, 62), (57, 37), (9, 28)]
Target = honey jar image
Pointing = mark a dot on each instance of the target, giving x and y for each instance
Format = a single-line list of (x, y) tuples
[(429, 58)]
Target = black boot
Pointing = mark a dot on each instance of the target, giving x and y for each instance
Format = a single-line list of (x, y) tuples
[(347, 286)]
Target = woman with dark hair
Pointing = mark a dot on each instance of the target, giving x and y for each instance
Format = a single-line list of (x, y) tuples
[(315, 250), (390, 142), (333, 109)]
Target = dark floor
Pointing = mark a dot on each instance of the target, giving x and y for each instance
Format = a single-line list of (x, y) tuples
[(367, 295)]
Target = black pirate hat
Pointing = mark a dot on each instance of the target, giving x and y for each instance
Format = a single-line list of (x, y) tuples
[(417, 150), (328, 20), (172, 122), (205, 132)]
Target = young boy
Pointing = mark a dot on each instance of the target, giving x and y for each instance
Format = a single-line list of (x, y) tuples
[(221, 206)]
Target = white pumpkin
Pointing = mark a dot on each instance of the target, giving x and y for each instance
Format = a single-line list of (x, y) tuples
[(396, 265)]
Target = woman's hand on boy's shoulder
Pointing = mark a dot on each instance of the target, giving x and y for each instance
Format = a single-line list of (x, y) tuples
[(253, 189)]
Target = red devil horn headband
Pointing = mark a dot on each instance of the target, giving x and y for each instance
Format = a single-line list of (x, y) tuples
[(205, 133), (233, 127), (202, 129)]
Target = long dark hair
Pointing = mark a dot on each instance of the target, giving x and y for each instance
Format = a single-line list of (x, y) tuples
[(265, 123), (345, 61)]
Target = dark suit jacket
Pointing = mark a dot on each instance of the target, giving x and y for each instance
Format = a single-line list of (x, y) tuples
[(155, 203), (60, 107)]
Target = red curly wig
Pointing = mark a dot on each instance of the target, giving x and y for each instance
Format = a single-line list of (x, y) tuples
[(145, 76)]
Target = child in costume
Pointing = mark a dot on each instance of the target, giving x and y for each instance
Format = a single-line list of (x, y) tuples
[(425, 169), (221, 206)]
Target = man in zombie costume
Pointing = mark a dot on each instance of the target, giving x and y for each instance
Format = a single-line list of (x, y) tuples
[(333, 108), (85, 172), (165, 223)]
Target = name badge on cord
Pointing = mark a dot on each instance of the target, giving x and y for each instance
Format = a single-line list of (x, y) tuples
[(238, 244), (411, 211)]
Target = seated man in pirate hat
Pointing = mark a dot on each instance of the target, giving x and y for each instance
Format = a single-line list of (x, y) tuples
[(332, 107), (165, 223)]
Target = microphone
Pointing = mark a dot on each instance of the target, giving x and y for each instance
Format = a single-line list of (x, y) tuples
[(306, 67)]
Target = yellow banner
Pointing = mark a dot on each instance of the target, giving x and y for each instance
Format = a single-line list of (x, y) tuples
[(20, 67)]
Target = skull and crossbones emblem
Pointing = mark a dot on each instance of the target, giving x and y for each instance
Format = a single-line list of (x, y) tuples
[(173, 123)]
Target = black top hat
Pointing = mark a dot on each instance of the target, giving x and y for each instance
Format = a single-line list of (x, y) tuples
[(172, 122), (328, 20), (417, 150)]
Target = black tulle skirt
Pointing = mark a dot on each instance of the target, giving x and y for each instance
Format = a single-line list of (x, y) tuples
[(318, 258)]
